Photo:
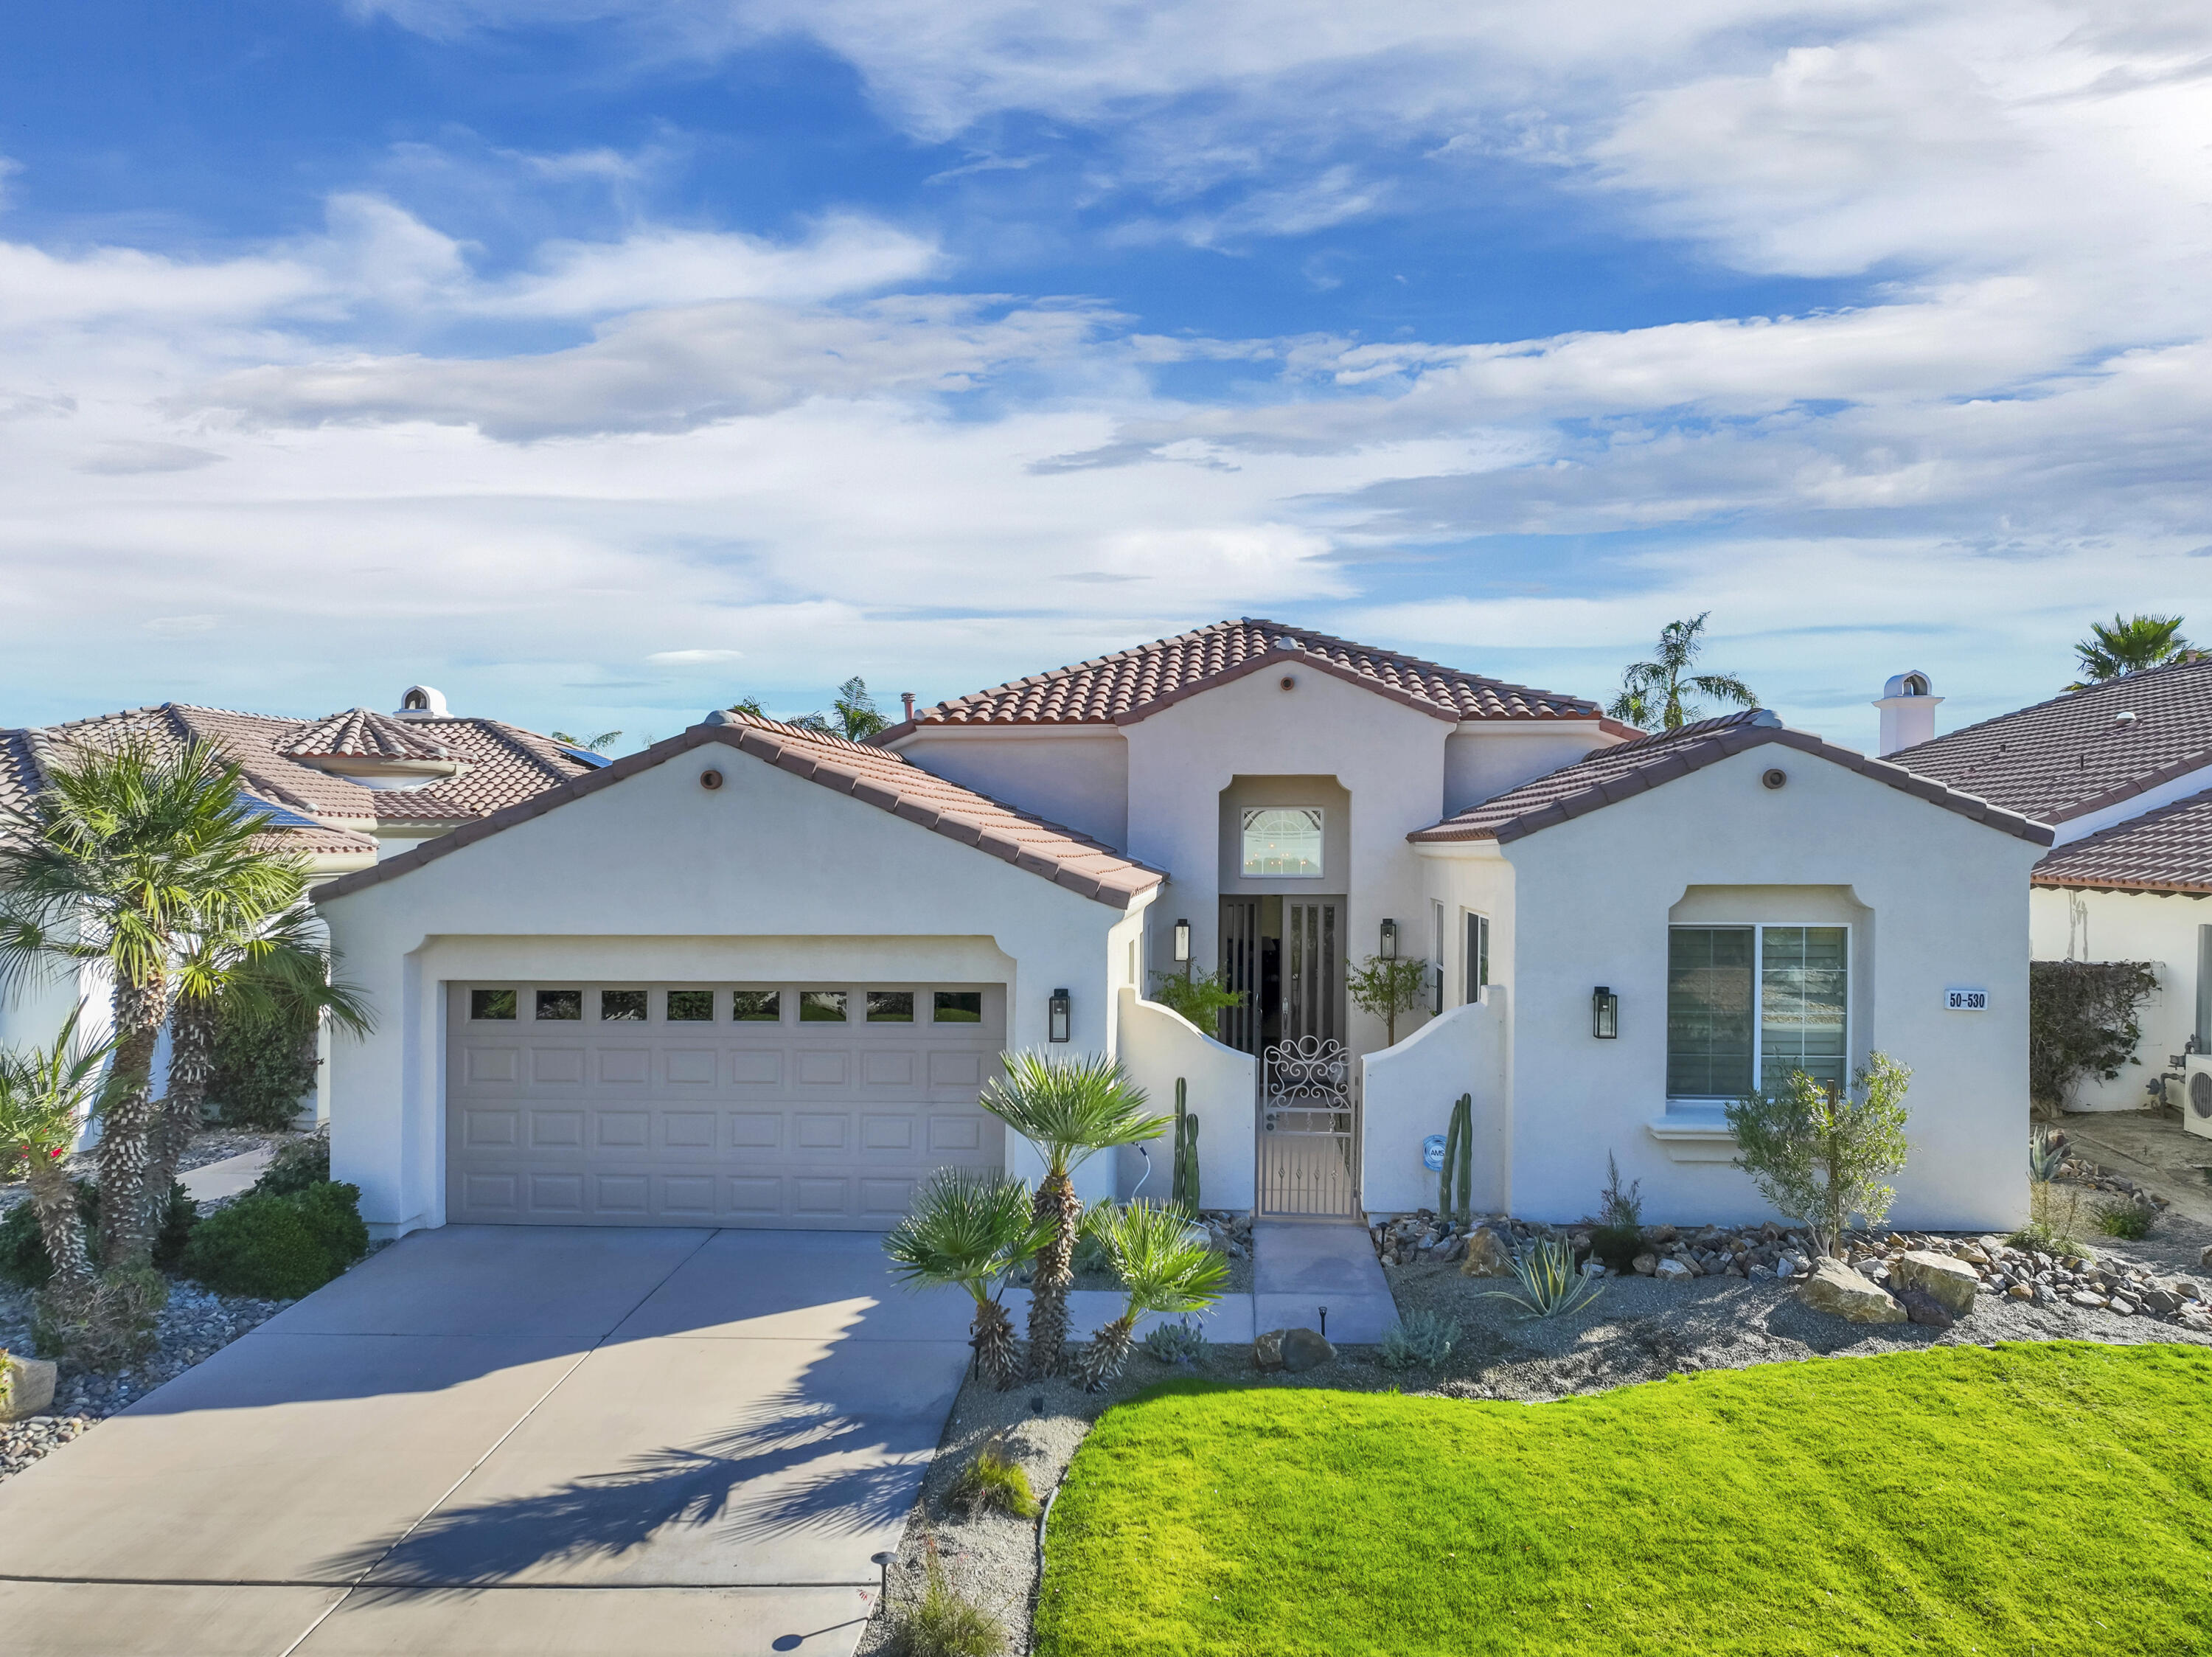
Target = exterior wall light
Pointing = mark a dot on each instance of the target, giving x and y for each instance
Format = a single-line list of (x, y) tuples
[(1389, 941), (1605, 1013), (1181, 942), (1058, 1017)]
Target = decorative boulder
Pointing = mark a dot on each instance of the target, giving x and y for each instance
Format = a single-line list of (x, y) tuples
[(1922, 1307), (1268, 1350), (1488, 1255), (1305, 1349), (1944, 1278), (1673, 1271), (1835, 1288), (27, 1387), (1646, 1265)]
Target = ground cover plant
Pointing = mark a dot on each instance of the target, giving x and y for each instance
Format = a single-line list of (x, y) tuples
[(2019, 1499)]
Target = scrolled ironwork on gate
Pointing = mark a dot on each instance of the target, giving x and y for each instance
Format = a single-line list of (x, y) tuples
[(1308, 1130)]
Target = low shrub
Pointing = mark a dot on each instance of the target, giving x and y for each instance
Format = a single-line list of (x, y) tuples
[(109, 1326), (279, 1247), (1420, 1338), (264, 1067), (23, 1247), (298, 1164), (1179, 1342), (943, 1623), (993, 1481), (2129, 1220), (2053, 1227)]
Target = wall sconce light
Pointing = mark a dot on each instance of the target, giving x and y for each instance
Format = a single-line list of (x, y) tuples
[(1605, 1013), (1058, 1017), (1389, 941), (1181, 942)]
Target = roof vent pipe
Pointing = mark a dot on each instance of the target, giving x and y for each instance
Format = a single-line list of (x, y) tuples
[(1908, 705), (907, 696)]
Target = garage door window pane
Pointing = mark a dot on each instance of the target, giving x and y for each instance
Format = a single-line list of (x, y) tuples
[(559, 1003), (690, 1007), (890, 1006), (757, 1006), (622, 1006), (959, 1007), (820, 1006), (491, 1003)]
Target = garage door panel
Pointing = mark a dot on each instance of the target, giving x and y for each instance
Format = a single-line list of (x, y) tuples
[(723, 1123)]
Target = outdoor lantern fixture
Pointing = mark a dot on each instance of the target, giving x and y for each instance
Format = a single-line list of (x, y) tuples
[(1389, 941), (1605, 1013), (1057, 1019), (1182, 941)]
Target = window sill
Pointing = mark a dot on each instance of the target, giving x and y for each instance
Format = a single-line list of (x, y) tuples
[(1694, 1133)]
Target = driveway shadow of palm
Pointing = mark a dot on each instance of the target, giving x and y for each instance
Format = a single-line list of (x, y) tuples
[(792, 1464)]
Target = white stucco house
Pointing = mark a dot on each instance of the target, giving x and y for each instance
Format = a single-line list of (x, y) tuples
[(2122, 772), (754, 975)]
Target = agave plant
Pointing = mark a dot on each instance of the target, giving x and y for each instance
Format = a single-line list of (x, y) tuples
[(1069, 1110), (1162, 1267), (971, 1230), (1550, 1283), (2046, 1150)]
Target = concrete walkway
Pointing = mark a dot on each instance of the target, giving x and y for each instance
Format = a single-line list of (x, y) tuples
[(2151, 1148), (1296, 1269), (211, 1182), (535, 1441)]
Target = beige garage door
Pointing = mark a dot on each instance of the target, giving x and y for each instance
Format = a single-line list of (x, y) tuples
[(792, 1104)]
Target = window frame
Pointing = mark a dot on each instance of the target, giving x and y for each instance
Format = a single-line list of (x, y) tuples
[(1759, 930), (1244, 817), (1474, 955)]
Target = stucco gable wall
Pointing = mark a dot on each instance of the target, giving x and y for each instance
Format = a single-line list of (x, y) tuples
[(1947, 906), (660, 877), (1079, 777), (1388, 755), (1482, 760)]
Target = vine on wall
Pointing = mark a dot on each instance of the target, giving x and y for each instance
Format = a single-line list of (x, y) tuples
[(2084, 1018)]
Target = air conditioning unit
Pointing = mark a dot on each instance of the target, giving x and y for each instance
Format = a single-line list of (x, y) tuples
[(2197, 1094)]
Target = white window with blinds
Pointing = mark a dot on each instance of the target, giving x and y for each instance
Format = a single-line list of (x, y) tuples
[(1748, 1005)]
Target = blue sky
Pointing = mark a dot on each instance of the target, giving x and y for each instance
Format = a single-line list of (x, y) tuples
[(598, 362)]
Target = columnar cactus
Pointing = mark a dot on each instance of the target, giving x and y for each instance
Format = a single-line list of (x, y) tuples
[(1459, 1162), (1183, 1190)]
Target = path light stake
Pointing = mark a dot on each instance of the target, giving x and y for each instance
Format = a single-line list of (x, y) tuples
[(882, 1561), (1324, 1323)]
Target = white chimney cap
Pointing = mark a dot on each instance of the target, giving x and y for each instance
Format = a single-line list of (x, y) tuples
[(422, 702), (1915, 683)]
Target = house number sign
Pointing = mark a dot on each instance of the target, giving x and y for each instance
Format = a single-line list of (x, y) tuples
[(1966, 1001)]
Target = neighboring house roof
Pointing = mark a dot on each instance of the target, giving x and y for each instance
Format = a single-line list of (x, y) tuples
[(2074, 754), (1612, 775), (1131, 685), (870, 775), (2168, 850), (500, 765)]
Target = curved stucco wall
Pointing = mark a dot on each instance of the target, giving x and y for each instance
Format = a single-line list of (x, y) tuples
[(1157, 1045), (1408, 1091)]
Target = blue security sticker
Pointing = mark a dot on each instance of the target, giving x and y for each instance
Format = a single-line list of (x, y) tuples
[(1432, 1153)]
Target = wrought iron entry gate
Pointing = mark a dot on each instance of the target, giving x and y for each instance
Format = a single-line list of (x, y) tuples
[(1309, 1148)]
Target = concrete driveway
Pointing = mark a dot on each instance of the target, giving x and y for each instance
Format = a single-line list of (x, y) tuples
[(507, 1440)]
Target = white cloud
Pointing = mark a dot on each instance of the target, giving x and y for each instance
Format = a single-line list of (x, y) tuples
[(692, 658)]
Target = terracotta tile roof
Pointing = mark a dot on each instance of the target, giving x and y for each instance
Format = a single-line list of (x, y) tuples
[(2169, 849), (2074, 754), (871, 774), (359, 734), (1131, 685), (500, 764), (1614, 774)]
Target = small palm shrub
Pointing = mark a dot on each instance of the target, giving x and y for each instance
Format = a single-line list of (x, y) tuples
[(298, 1164), (279, 1248), (1550, 1283), (1180, 1342), (974, 1231), (993, 1481), (1161, 1268), (2130, 1220), (1422, 1340), (943, 1623)]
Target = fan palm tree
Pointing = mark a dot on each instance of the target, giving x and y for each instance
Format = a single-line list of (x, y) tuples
[(274, 976), (128, 854), (599, 744), (2129, 647), (46, 1095), (971, 1230), (1069, 1110), (1657, 692), (1161, 1267)]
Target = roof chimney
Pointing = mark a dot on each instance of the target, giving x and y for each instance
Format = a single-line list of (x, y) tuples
[(907, 696), (422, 702), (1908, 711)]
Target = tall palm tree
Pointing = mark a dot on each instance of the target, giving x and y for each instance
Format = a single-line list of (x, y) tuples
[(1161, 1268), (2130, 646), (599, 744), (972, 1230), (129, 853), (1069, 1110), (45, 1094), (1657, 692), (273, 974)]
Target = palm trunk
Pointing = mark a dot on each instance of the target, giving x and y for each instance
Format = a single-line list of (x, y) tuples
[(54, 1194), (192, 1063), (1107, 1354), (1058, 1206), (993, 1341), (126, 1127)]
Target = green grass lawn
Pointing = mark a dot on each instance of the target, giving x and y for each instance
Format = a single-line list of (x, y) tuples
[(2049, 1498)]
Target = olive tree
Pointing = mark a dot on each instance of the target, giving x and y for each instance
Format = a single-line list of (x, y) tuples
[(1820, 1153)]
